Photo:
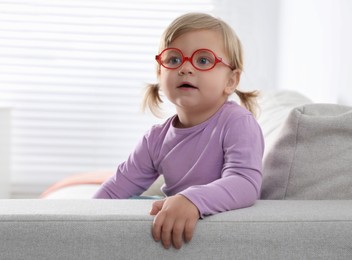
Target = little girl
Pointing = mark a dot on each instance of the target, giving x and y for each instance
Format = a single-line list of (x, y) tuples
[(210, 152)]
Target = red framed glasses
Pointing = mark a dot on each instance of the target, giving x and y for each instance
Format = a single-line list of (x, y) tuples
[(201, 59)]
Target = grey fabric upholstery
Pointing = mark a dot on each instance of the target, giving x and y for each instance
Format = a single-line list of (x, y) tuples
[(121, 229), (312, 158)]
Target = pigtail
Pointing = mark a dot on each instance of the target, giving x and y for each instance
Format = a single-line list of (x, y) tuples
[(249, 100), (152, 99)]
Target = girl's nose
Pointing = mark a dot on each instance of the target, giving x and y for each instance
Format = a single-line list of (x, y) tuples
[(186, 68)]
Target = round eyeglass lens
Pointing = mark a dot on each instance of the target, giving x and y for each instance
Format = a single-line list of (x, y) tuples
[(203, 59), (171, 58)]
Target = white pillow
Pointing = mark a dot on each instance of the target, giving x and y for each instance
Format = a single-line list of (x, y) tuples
[(80, 191), (274, 109)]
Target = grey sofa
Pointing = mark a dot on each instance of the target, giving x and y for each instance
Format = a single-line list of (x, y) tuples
[(120, 229), (305, 210)]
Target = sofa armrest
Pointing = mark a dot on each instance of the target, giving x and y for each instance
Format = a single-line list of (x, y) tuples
[(121, 229)]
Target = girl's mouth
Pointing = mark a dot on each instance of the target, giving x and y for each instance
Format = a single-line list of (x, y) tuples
[(187, 86)]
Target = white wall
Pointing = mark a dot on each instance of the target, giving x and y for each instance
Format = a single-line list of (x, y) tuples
[(5, 171), (302, 45), (256, 23), (314, 45), (345, 77)]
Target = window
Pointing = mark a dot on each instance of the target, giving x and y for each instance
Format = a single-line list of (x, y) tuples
[(73, 74)]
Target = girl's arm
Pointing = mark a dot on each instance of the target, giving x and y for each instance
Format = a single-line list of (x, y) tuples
[(133, 176), (239, 187), (241, 178)]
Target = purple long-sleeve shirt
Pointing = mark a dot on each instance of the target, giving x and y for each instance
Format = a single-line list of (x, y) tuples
[(216, 164)]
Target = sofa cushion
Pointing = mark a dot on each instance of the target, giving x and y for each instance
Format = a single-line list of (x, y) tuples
[(312, 158)]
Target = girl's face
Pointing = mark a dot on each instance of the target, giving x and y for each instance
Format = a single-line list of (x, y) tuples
[(194, 91)]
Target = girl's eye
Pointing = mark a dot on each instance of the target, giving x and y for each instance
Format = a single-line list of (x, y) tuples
[(174, 60), (203, 61)]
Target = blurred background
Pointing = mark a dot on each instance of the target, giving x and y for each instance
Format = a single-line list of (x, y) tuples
[(72, 73)]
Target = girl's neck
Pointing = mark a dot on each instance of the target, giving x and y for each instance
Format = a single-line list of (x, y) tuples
[(186, 119)]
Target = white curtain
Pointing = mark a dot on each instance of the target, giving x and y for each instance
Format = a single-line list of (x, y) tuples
[(73, 73)]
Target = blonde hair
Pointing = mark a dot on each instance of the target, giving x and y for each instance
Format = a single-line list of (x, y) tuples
[(233, 48)]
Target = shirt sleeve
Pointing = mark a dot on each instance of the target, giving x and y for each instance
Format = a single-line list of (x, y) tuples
[(132, 177), (241, 177)]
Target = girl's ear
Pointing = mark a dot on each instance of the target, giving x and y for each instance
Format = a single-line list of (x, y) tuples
[(234, 80)]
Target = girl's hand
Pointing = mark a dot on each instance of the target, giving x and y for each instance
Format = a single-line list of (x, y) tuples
[(175, 220)]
